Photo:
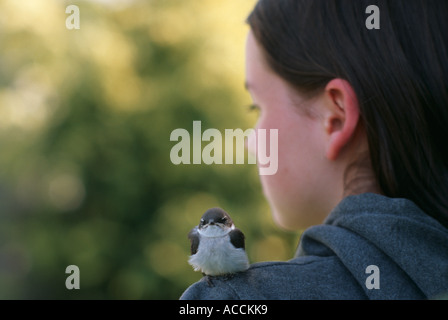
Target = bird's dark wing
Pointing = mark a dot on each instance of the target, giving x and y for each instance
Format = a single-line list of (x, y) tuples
[(193, 236), (237, 238)]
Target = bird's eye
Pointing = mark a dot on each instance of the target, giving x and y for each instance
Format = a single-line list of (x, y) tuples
[(202, 222), (222, 220)]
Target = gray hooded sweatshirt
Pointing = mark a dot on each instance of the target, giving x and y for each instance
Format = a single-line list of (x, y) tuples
[(369, 247)]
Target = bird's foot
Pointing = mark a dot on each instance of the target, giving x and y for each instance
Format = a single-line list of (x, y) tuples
[(209, 280), (227, 276), (223, 277)]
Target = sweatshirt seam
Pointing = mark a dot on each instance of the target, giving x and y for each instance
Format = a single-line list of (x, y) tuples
[(289, 263), (279, 263)]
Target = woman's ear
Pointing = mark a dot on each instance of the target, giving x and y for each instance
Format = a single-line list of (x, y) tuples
[(341, 116)]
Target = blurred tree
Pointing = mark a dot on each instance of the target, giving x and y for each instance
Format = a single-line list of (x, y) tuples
[(85, 122)]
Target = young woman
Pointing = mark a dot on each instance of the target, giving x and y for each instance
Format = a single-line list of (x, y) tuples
[(362, 118)]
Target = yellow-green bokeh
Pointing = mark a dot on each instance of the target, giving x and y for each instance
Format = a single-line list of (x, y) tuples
[(85, 122)]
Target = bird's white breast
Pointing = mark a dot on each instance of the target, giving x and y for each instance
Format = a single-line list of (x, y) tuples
[(216, 255)]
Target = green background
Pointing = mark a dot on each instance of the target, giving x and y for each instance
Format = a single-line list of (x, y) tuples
[(85, 123)]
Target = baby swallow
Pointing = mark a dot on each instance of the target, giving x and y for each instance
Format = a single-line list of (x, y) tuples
[(217, 247)]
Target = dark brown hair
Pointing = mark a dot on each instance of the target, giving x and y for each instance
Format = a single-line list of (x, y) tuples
[(399, 73)]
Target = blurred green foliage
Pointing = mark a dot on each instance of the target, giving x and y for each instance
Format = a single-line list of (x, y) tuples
[(85, 122)]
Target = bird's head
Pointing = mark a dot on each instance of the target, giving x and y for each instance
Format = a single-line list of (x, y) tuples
[(216, 217)]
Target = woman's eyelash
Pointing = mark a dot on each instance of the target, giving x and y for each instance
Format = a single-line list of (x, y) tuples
[(253, 107)]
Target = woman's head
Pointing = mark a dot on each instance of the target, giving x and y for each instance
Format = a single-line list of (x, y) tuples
[(357, 110)]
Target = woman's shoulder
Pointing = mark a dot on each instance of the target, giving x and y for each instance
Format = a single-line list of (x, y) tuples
[(408, 248), (302, 278)]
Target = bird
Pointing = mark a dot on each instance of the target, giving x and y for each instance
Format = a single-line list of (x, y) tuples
[(217, 246)]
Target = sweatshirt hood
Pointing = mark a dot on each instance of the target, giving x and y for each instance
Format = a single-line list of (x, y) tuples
[(408, 247)]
